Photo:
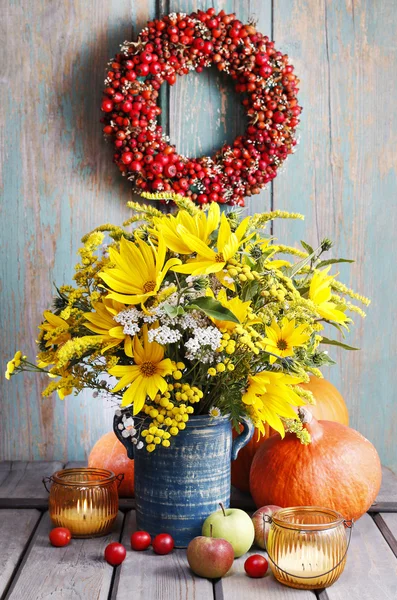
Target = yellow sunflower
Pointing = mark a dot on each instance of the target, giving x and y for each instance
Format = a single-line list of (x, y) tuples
[(54, 329), (269, 396), (146, 376), (282, 340), (240, 309), (200, 225), (139, 271), (320, 293), (102, 322), (208, 260)]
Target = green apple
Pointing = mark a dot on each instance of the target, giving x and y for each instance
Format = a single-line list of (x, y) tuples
[(233, 525)]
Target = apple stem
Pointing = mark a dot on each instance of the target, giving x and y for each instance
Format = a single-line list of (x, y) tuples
[(223, 508), (210, 529)]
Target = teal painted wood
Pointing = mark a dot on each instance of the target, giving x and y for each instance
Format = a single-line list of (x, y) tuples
[(176, 488), (57, 180), (343, 178)]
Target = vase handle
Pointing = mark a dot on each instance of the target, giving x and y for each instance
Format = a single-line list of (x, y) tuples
[(241, 440), (126, 441)]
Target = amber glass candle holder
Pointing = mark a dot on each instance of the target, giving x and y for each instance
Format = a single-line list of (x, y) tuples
[(307, 546), (84, 500)]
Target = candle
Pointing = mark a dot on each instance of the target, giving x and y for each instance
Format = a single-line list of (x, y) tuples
[(84, 500), (307, 546)]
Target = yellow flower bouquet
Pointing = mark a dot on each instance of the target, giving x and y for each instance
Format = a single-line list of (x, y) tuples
[(192, 313)]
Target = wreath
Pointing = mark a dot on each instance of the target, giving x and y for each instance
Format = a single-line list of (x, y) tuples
[(174, 45)]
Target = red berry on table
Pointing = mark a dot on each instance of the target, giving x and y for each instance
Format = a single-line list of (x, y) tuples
[(146, 57), (256, 566), (60, 536), (115, 553), (107, 106), (140, 540), (163, 543)]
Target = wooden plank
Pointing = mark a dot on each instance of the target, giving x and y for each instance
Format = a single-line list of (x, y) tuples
[(147, 575), (344, 53), (58, 182), (16, 527), (371, 568), (205, 111), (24, 479), (75, 571), (236, 585), (387, 523), (388, 490)]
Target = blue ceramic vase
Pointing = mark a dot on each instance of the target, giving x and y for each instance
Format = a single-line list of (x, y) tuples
[(176, 488)]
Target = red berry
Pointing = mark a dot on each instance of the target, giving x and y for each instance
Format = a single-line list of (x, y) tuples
[(140, 540), (278, 117), (142, 70), (256, 566), (163, 543), (130, 75), (126, 107), (146, 57), (170, 170), (155, 68), (198, 44), (107, 105), (202, 198), (261, 59), (115, 553), (60, 536), (208, 48), (127, 158), (136, 166)]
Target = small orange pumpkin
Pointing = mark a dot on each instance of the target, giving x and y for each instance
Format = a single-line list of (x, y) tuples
[(330, 406), (339, 469), (109, 453)]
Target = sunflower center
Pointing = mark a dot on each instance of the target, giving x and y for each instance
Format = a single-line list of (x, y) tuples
[(282, 344), (148, 369), (219, 257), (149, 286)]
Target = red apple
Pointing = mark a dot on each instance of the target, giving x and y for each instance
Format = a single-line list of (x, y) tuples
[(210, 557), (257, 519)]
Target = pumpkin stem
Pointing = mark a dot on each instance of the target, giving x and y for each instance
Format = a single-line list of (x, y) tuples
[(223, 508), (305, 415), (210, 529)]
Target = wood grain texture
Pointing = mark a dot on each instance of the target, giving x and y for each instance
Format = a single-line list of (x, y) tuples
[(77, 571), (343, 178), (24, 479), (371, 567), (147, 575), (57, 180), (16, 527)]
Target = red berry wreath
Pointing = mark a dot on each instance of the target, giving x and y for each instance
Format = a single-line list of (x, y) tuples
[(174, 45)]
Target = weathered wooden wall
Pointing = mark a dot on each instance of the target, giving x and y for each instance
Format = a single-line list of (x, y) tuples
[(57, 180)]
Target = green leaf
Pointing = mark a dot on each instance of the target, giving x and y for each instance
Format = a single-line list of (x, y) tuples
[(213, 308), (336, 343), (301, 264), (338, 327), (173, 311), (308, 248), (333, 261)]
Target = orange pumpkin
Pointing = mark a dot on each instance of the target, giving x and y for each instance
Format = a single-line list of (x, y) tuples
[(339, 469), (109, 453), (330, 406)]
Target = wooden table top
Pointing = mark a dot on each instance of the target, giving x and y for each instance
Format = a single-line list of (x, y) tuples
[(30, 569)]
